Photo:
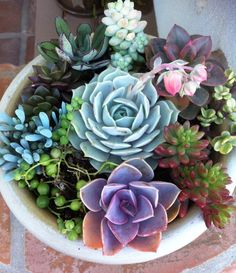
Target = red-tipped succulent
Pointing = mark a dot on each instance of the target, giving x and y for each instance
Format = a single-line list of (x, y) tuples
[(128, 209), (205, 184), (183, 145)]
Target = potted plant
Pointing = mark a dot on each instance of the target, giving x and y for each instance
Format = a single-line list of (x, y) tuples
[(117, 140)]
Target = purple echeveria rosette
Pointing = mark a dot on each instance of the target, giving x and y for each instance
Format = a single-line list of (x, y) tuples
[(127, 209)]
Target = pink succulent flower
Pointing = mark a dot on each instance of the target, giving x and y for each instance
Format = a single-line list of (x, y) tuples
[(189, 88), (199, 73), (173, 82)]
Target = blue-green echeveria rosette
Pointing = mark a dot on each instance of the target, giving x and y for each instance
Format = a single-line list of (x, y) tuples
[(120, 118)]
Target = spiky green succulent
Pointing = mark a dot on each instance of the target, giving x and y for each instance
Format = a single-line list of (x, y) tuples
[(183, 145), (84, 51), (205, 184), (217, 215), (39, 100)]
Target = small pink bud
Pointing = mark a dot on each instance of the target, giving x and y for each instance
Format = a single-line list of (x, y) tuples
[(189, 88), (199, 73), (173, 82)]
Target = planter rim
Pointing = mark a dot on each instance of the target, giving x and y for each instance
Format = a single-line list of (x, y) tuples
[(179, 233)]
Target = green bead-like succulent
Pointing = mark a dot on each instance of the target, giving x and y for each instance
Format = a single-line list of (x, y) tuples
[(84, 51), (120, 118), (183, 145), (224, 143)]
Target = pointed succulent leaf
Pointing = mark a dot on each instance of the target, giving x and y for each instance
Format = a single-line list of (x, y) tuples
[(178, 36), (61, 26), (99, 36), (83, 37)]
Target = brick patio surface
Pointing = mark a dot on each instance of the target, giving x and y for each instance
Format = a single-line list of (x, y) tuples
[(21, 252)]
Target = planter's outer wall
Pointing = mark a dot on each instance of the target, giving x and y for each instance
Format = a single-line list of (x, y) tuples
[(216, 18), (43, 225)]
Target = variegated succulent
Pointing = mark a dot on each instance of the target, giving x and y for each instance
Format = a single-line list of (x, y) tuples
[(84, 51), (120, 118), (127, 209)]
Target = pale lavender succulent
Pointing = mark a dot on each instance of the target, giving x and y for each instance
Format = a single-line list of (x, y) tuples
[(120, 118), (127, 209)]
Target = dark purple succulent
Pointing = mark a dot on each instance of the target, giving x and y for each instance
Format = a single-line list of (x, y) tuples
[(128, 209), (195, 49)]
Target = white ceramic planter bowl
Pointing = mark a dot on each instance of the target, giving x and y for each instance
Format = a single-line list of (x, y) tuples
[(43, 225)]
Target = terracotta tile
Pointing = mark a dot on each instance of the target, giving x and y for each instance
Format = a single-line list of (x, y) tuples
[(10, 23), (9, 50), (230, 269), (7, 73), (5, 243), (207, 246), (40, 258), (30, 49)]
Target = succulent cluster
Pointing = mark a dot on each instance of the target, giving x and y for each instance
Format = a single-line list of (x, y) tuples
[(84, 51), (125, 32), (205, 184), (127, 209), (195, 49), (120, 118), (183, 145), (222, 110), (23, 142), (40, 99), (53, 76)]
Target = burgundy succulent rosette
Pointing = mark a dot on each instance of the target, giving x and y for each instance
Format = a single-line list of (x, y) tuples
[(128, 209)]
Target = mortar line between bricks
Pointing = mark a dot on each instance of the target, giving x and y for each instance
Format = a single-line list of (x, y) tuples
[(216, 264), (10, 35), (17, 246), (24, 24)]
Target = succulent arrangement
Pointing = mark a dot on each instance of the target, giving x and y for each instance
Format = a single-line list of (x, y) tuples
[(117, 134)]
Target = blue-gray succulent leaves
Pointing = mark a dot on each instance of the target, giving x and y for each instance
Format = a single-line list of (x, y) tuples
[(120, 118)]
